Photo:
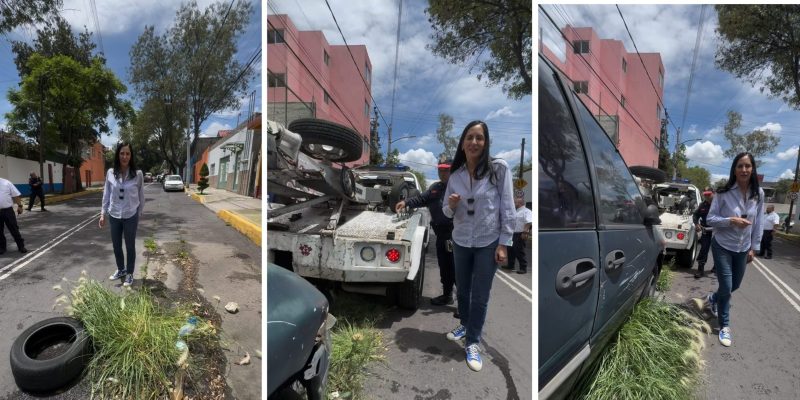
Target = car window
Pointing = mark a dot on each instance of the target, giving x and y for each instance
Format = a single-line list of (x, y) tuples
[(620, 199), (565, 196)]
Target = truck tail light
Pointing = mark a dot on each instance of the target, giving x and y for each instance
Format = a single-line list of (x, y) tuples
[(681, 235), (367, 253), (393, 255)]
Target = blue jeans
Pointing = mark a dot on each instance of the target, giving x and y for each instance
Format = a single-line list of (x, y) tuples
[(124, 228), (730, 267), (475, 269)]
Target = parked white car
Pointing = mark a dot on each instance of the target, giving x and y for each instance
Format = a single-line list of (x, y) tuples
[(173, 182)]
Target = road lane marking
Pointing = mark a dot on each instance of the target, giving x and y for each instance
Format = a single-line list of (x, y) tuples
[(761, 267), (518, 283), (515, 286), (47, 246), (788, 288)]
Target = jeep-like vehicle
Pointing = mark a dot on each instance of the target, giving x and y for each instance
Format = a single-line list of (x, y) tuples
[(335, 225)]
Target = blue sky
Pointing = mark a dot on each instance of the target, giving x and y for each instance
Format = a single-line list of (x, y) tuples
[(121, 23), (672, 30), (426, 84)]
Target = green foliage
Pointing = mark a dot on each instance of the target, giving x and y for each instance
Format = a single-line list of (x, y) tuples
[(502, 27), (755, 39), (720, 183), (758, 142), (18, 13), (423, 183), (783, 185), (665, 277), (203, 183), (443, 136), (525, 168), (657, 355), (699, 176), (393, 158), (56, 39)]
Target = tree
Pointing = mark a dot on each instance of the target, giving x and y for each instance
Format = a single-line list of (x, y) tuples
[(203, 183), (502, 26), (527, 166), (760, 38), (443, 136), (14, 13), (678, 159), (699, 176), (720, 183), (423, 183), (783, 186), (758, 142), (393, 158), (193, 66), (664, 158), (375, 155)]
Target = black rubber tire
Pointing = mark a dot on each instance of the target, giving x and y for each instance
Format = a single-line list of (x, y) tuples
[(40, 376), (409, 293), (650, 288), (347, 143), (685, 258), (401, 191), (348, 181)]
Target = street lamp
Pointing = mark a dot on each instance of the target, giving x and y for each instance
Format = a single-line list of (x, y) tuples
[(389, 147), (401, 138), (675, 157)]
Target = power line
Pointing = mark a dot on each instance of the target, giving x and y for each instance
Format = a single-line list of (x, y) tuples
[(97, 26), (361, 75)]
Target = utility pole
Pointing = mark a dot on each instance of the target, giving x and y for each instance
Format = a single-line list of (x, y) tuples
[(522, 158), (791, 203), (675, 157), (41, 128)]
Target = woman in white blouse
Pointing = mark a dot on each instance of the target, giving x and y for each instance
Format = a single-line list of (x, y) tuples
[(480, 201), (123, 201), (736, 214)]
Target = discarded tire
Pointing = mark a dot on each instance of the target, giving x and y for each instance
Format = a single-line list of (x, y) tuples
[(328, 140), (50, 354)]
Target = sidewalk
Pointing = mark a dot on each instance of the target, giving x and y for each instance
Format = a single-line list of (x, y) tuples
[(243, 213)]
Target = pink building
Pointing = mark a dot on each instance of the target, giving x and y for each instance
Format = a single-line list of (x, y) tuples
[(629, 109), (307, 77)]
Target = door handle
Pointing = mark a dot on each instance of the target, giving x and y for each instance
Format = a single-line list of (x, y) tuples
[(614, 260), (575, 276)]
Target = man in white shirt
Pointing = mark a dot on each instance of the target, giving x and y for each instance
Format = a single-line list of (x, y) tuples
[(523, 222), (771, 221), (8, 196)]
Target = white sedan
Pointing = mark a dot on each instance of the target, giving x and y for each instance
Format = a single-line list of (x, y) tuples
[(173, 182)]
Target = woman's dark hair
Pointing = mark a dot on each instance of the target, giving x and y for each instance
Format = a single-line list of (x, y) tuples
[(754, 187), (484, 162), (131, 164)]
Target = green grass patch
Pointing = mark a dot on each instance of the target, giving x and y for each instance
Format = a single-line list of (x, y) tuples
[(666, 276), (150, 244), (134, 339), (656, 356), (356, 343)]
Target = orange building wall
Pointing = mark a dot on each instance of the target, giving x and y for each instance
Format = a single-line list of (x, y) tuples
[(203, 160), (95, 165)]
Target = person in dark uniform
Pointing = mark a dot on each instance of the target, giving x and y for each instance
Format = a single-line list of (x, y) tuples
[(8, 196), (442, 227), (702, 227), (37, 190)]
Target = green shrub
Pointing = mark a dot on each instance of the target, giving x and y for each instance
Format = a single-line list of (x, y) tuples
[(202, 184)]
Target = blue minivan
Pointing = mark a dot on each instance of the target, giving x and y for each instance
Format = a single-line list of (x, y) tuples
[(597, 251)]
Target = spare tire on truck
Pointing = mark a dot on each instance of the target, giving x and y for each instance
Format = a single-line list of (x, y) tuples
[(50, 354), (325, 140)]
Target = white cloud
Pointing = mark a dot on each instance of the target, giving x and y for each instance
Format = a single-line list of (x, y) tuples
[(420, 160), (715, 131), (718, 177), (503, 112), (511, 156), (784, 108), (117, 16), (705, 152), (789, 154), (788, 174), (771, 126), (213, 128)]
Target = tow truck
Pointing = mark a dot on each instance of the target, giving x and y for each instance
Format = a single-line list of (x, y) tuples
[(335, 225)]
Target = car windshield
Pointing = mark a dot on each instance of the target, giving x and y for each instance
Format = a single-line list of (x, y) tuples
[(174, 178)]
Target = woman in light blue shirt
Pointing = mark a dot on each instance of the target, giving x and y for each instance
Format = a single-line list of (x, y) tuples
[(123, 201), (736, 214), (480, 201)]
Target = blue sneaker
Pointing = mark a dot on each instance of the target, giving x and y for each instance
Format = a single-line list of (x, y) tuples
[(128, 280), (712, 304), (474, 357), (725, 336), (457, 334), (118, 275)]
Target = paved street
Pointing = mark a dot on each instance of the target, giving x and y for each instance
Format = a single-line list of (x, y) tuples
[(422, 364), (765, 315), (67, 240)]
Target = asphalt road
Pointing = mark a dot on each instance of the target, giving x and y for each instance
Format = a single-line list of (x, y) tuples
[(66, 240), (763, 362), (421, 363)]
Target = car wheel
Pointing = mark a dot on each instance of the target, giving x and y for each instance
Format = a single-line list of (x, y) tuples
[(50, 354), (327, 140), (409, 293), (685, 258), (650, 289), (401, 191)]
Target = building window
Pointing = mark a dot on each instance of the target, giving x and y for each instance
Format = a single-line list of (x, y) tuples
[(622, 101), (624, 65), (366, 108), (658, 111), (211, 170), (580, 46), (368, 73), (276, 80), (660, 78), (326, 58), (275, 36), (581, 87), (327, 96)]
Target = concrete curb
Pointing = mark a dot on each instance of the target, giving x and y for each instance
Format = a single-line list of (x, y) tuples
[(247, 228), (789, 238), (198, 198), (58, 198)]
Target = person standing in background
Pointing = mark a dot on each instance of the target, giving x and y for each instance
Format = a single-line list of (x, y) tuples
[(523, 223), (705, 231), (772, 221), (37, 190), (8, 196)]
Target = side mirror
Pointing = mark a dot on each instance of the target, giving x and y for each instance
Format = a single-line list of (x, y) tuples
[(651, 216)]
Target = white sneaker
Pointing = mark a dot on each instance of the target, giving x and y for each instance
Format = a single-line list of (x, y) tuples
[(725, 336), (474, 357), (117, 275)]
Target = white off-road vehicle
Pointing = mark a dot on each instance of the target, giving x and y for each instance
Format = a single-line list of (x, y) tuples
[(336, 226), (676, 203)]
